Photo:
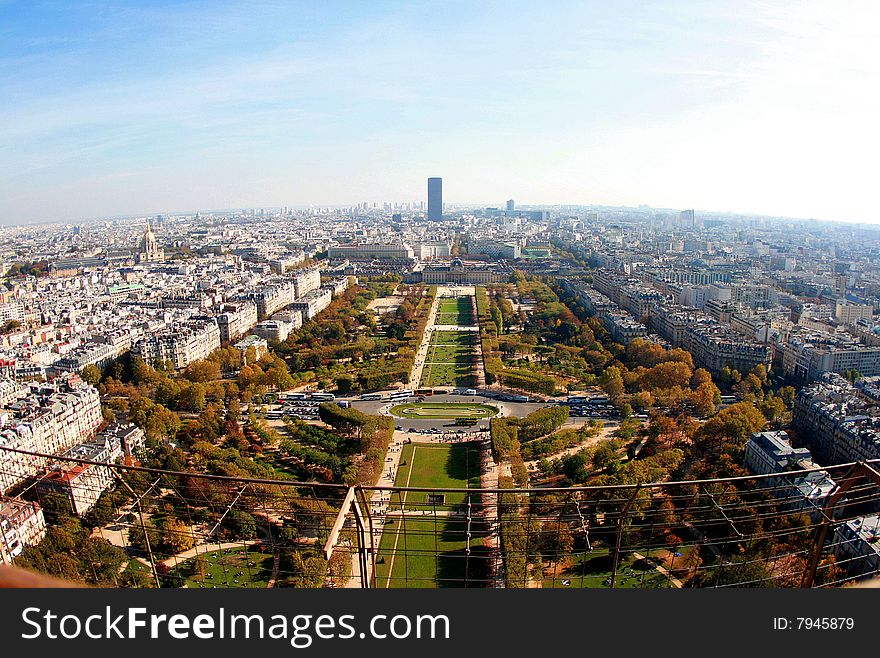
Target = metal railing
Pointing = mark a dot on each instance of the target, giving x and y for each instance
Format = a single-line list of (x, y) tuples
[(178, 529)]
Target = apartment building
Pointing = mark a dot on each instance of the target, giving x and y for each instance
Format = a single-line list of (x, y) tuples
[(236, 320), (840, 424), (50, 419), (304, 281), (312, 303), (181, 343), (82, 484), (807, 354), (273, 296), (857, 545), (771, 452), (21, 524)]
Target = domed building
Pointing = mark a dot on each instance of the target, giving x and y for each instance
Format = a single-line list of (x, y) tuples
[(457, 272), (149, 248)]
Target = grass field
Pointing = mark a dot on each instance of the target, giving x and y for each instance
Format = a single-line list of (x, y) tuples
[(228, 568), (438, 353), (593, 569), (450, 360), (440, 410), (455, 311), (426, 547), (447, 374)]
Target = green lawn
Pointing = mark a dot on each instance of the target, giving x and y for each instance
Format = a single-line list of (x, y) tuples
[(443, 410), (450, 354), (228, 568), (463, 338), (447, 374), (455, 311), (450, 360), (426, 548), (593, 569)]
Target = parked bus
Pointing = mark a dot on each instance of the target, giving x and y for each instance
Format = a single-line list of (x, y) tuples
[(370, 396), (425, 391), (323, 397)]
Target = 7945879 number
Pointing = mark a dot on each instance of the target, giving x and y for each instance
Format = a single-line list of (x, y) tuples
[(824, 623)]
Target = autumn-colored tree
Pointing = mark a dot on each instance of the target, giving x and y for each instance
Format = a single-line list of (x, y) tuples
[(701, 376), (177, 536), (666, 375), (706, 398)]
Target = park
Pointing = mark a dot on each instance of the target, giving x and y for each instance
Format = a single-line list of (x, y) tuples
[(425, 539), (443, 410), (451, 359)]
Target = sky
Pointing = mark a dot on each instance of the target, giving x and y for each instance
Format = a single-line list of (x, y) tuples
[(130, 107)]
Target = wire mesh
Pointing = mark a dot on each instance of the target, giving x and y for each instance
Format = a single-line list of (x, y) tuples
[(121, 525)]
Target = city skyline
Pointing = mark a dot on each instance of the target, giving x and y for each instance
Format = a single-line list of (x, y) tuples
[(763, 108)]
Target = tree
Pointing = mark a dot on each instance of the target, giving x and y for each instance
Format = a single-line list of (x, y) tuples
[(56, 507), (103, 511), (666, 375), (787, 393), (612, 382), (309, 571), (760, 373), (772, 407), (348, 421), (200, 566), (701, 376), (730, 376), (203, 370), (240, 525), (706, 398), (9, 326), (91, 374), (177, 536), (136, 536), (728, 431), (606, 458), (192, 398), (574, 467)]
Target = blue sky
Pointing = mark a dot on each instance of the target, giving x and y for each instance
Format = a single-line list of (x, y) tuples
[(128, 107)]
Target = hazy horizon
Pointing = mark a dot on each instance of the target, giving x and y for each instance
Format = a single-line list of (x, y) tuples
[(760, 108)]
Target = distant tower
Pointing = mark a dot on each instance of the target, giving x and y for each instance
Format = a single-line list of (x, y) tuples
[(686, 219), (435, 199), (510, 205)]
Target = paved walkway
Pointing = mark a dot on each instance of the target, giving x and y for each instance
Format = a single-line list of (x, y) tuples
[(210, 547), (659, 567), (415, 375), (379, 503), (381, 500)]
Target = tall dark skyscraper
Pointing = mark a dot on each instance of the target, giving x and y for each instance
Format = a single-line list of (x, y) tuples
[(510, 205), (435, 199)]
